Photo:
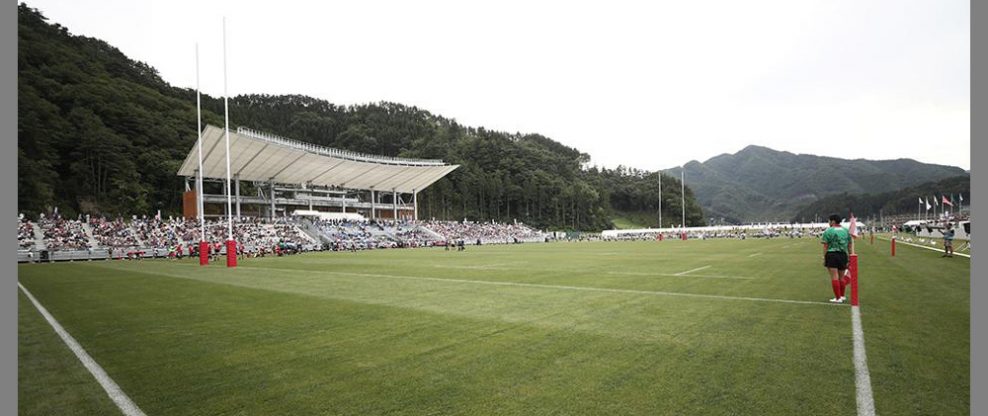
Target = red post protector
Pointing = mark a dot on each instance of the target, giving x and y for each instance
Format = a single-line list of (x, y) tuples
[(853, 267), (231, 253)]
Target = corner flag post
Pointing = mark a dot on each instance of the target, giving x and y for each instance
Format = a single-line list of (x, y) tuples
[(682, 182), (853, 267)]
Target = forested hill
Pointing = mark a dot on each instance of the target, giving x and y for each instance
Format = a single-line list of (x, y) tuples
[(761, 184), (100, 133), (903, 201)]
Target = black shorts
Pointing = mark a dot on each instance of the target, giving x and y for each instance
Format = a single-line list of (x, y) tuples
[(835, 259)]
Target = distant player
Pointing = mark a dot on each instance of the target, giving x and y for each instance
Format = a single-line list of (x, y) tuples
[(948, 241), (836, 247)]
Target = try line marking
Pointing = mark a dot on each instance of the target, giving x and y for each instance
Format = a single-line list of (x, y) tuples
[(495, 283), (120, 398), (756, 254), (694, 270), (862, 380), (928, 248)]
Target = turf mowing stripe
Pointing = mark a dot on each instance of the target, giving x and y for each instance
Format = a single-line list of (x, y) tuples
[(928, 248), (112, 389), (516, 284), (862, 380), (708, 276), (694, 270)]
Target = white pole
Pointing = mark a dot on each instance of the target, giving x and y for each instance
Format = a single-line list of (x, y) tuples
[(237, 187), (415, 203), (199, 204), (682, 182), (660, 199), (226, 117)]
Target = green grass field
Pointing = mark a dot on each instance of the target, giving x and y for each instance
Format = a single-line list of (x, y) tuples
[(616, 328)]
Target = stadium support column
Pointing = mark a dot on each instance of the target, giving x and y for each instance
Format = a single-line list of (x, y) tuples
[(344, 201), (272, 200), (394, 200), (237, 186), (415, 204), (373, 205)]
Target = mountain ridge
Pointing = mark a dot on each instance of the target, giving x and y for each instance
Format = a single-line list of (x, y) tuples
[(758, 183)]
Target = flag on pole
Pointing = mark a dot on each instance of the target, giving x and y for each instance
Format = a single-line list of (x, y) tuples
[(928, 206), (935, 203), (961, 196), (853, 228), (946, 201)]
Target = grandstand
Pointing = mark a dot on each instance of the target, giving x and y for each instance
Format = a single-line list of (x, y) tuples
[(290, 175), (54, 238)]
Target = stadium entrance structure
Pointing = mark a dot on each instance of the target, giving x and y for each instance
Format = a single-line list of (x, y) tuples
[(288, 175)]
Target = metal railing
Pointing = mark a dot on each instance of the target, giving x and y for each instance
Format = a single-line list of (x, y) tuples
[(337, 153)]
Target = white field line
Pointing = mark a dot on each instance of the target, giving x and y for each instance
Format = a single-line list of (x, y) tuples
[(928, 248), (694, 270), (498, 266), (755, 255), (513, 284), (708, 276), (112, 389), (862, 380)]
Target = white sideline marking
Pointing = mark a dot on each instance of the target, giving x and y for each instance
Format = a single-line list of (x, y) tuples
[(754, 255), (928, 248), (709, 276), (694, 270), (516, 284), (112, 389), (862, 380)]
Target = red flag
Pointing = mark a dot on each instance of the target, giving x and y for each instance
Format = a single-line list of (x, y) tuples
[(853, 228), (946, 201)]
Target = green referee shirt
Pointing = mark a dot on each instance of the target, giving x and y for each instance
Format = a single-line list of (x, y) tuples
[(836, 239)]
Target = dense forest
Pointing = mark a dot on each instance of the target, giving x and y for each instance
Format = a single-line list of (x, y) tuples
[(903, 201), (100, 133)]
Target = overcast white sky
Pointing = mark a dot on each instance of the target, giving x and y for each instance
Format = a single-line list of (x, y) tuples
[(645, 84)]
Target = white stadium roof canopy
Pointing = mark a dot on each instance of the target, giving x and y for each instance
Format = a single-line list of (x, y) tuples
[(256, 156)]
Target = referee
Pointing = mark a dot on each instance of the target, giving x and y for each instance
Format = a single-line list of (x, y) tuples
[(837, 245)]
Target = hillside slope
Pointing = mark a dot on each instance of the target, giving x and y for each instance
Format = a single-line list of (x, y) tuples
[(760, 184)]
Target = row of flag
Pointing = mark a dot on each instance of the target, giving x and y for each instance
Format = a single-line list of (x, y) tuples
[(943, 199)]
